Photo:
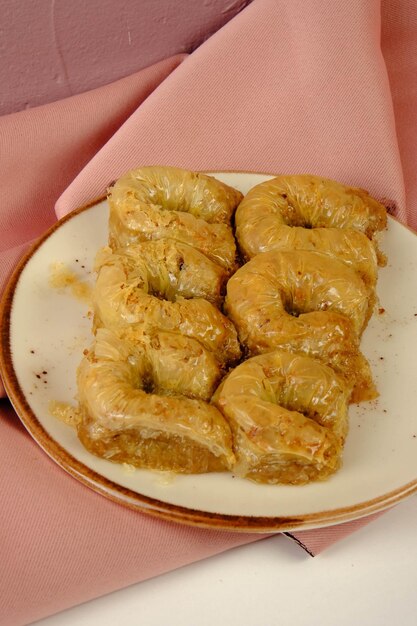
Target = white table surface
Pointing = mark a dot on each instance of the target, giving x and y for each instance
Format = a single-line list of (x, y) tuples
[(369, 578)]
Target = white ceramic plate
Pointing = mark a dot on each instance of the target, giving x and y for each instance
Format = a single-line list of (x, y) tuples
[(45, 330)]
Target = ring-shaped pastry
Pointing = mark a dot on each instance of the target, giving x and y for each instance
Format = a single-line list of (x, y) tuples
[(128, 298), (288, 415), (128, 416), (306, 212), (304, 302), (160, 202), (173, 269)]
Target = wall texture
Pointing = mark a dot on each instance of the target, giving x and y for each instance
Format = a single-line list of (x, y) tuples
[(51, 49)]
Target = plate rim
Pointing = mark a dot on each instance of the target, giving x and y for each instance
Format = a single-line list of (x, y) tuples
[(132, 499)]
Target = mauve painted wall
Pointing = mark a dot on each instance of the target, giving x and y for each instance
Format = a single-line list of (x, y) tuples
[(51, 49)]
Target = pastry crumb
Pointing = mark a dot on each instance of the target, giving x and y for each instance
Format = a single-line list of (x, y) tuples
[(65, 412), (63, 278)]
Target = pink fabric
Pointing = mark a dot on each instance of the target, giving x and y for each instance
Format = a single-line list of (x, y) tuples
[(399, 46), (319, 539), (286, 86)]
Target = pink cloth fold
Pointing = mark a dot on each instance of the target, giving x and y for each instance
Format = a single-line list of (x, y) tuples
[(279, 89), (286, 86)]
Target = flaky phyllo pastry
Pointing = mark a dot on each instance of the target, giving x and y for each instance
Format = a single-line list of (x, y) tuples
[(162, 343), (142, 407), (288, 415), (181, 378)]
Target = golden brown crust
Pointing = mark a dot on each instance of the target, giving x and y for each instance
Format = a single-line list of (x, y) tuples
[(129, 300), (288, 416), (130, 415), (160, 202), (312, 213), (303, 302)]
